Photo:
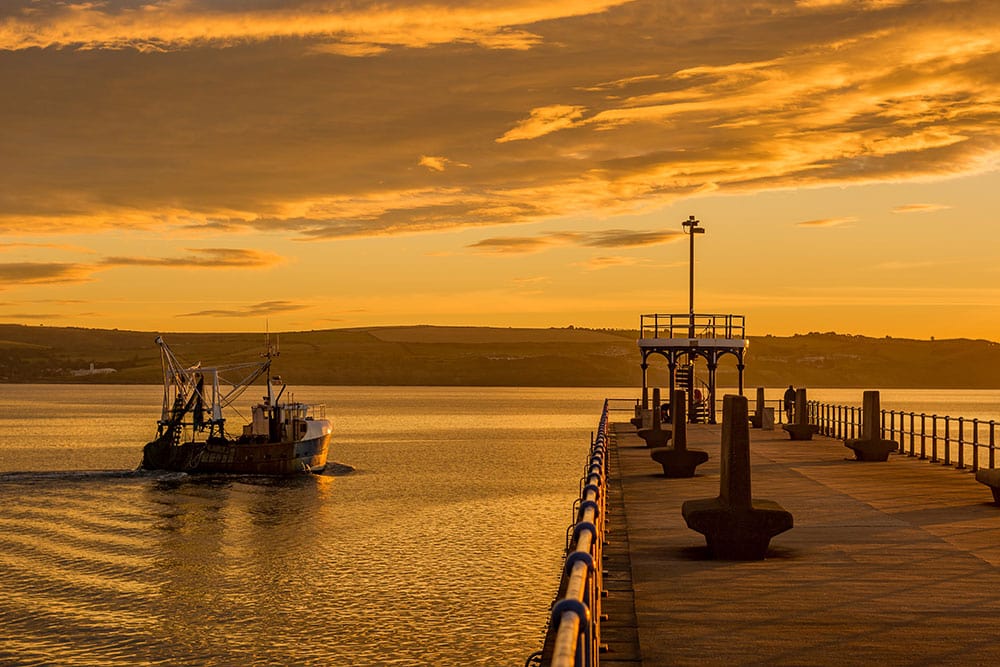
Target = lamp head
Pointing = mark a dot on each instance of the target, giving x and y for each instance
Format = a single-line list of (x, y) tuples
[(691, 226)]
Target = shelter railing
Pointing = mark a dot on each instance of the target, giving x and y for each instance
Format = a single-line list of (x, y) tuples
[(686, 325), (573, 635), (958, 441)]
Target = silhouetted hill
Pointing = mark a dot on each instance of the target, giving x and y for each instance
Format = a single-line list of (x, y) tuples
[(486, 356)]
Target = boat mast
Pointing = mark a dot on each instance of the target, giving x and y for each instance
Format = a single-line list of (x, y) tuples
[(184, 391)]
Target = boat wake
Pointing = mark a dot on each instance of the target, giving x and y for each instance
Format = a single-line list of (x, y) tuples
[(74, 475), (165, 476), (337, 469)]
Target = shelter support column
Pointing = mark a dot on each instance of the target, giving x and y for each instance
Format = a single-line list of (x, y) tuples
[(740, 366), (645, 386), (713, 365)]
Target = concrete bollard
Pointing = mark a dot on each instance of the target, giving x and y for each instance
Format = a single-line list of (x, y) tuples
[(655, 435), (871, 446), (637, 416), (641, 409), (991, 478), (736, 526), (801, 429), (757, 419), (678, 461)]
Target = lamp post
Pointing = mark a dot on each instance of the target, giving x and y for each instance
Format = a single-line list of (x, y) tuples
[(691, 228)]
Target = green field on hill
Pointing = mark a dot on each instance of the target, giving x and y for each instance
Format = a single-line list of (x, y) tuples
[(486, 356)]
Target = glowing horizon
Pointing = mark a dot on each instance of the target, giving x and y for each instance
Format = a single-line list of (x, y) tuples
[(194, 165)]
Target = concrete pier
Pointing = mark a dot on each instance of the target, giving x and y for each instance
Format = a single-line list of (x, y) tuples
[(896, 564)]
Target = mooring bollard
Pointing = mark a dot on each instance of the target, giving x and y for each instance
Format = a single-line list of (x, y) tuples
[(757, 419), (801, 429), (736, 526), (871, 446), (656, 435), (678, 460)]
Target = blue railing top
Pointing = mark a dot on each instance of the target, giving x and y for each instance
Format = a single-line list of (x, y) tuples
[(573, 628), (686, 325)]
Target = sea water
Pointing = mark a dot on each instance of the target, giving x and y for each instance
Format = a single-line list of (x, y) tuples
[(435, 538)]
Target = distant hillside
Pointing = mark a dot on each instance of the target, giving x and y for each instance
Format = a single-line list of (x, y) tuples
[(485, 356)]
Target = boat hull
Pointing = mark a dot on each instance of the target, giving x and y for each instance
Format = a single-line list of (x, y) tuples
[(248, 458)]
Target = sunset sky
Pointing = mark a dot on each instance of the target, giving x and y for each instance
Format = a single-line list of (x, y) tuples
[(226, 165)]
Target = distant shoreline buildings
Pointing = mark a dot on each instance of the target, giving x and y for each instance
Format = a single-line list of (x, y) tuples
[(93, 371)]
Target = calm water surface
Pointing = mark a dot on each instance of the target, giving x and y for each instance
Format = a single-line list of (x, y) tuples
[(442, 546)]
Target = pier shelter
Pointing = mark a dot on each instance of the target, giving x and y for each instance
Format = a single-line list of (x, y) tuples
[(681, 339)]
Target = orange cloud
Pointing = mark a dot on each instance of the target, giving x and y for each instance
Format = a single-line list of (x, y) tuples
[(358, 29), (257, 309), (288, 135), (543, 121)]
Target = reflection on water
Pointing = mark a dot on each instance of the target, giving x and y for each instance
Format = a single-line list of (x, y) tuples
[(438, 541)]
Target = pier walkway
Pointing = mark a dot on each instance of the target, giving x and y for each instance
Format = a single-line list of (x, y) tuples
[(894, 563)]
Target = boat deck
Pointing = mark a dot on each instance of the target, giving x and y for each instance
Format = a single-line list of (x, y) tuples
[(894, 563)]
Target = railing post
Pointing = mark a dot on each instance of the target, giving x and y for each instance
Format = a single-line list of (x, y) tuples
[(892, 428), (923, 435), (992, 444), (975, 445), (947, 439), (934, 456), (961, 443), (912, 431), (902, 435)]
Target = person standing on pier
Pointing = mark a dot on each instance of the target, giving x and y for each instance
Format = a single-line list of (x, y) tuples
[(789, 402)]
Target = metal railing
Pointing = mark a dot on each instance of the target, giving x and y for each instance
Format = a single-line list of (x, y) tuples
[(686, 325), (778, 404), (959, 441), (573, 635)]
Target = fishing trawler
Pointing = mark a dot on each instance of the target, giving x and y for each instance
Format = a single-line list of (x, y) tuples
[(279, 439)]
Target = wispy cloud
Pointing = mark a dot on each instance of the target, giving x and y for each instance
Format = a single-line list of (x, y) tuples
[(202, 258), (6, 247), (42, 273), (624, 238), (32, 316), (530, 280), (257, 309), (826, 222), (920, 208), (611, 238), (609, 261), (52, 273), (525, 244)]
